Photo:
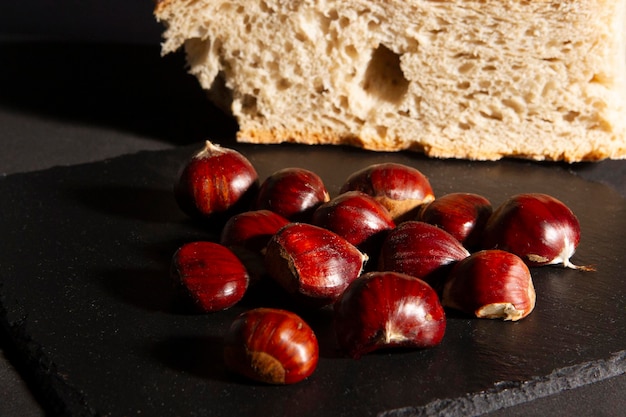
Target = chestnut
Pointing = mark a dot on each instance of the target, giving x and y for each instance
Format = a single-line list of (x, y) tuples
[(422, 250), (251, 229), (398, 187), (537, 227), (215, 182), (247, 234), (271, 345), (388, 310), (358, 218), (491, 284), (209, 275), (463, 215), (311, 263), (292, 192)]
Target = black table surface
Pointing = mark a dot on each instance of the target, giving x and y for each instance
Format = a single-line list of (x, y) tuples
[(74, 98)]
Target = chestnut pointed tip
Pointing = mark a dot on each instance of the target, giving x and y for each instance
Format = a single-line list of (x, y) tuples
[(586, 268)]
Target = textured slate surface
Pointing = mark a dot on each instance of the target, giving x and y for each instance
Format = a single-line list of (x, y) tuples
[(86, 249)]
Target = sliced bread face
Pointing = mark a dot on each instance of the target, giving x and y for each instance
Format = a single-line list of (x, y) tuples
[(538, 79)]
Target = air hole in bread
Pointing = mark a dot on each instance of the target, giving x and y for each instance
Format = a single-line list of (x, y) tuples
[(283, 84), (265, 8), (384, 78), (373, 25), (570, 116), (466, 67), (494, 114), (351, 51), (248, 104), (599, 78), (518, 105)]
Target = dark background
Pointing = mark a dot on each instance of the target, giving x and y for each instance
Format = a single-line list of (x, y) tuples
[(82, 81)]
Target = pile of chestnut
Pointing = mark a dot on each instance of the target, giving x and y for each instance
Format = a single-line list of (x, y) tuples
[(384, 255)]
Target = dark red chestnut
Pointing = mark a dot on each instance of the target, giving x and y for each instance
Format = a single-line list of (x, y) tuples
[(536, 227), (463, 215), (399, 188), (210, 275), (272, 346), (385, 310), (247, 234), (312, 263), (294, 193), (358, 218), (422, 250), (215, 181), (491, 284), (251, 229)]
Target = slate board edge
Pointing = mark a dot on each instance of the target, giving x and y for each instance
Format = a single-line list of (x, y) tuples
[(55, 394), (511, 394)]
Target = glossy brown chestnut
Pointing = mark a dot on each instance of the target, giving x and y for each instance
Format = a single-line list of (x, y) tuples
[(463, 215), (209, 275), (398, 187), (312, 263), (422, 250), (491, 284), (358, 218), (216, 181), (251, 229), (273, 346), (536, 227), (385, 310), (294, 193)]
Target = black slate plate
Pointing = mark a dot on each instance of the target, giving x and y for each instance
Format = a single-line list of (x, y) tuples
[(84, 261)]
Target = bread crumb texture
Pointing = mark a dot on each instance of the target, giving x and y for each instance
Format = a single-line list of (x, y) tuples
[(536, 79)]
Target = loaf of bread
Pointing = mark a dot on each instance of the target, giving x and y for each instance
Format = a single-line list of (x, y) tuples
[(472, 79)]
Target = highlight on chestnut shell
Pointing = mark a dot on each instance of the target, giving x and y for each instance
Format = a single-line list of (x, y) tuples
[(210, 275), (388, 310), (272, 346), (492, 284), (537, 227)]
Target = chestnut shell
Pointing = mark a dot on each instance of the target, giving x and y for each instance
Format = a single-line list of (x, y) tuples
[(388, 310), (216, 183), (358, 218), (463, 215), (399, 188), (271, 345), (292, 192), (422, 250), (537, 227), (311, 263), (209, 275), (491, 284)]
